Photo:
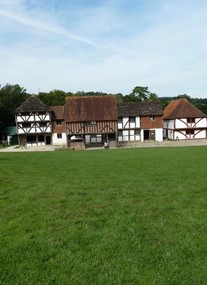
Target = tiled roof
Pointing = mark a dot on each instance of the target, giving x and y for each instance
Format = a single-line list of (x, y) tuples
[(182, 108), (90, 108), (57, 112), (139, 109), (32, 104)]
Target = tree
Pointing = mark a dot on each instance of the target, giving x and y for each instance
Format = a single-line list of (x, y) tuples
[(53, 98), (140, 94), (184, 96), (11, 97)]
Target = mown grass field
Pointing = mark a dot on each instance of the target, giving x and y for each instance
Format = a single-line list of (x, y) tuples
[(128, 216)]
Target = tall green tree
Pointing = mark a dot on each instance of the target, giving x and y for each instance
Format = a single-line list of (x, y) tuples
[(140, 94), (11, 97)]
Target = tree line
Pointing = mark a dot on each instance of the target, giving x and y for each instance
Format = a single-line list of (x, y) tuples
[(12, 96)]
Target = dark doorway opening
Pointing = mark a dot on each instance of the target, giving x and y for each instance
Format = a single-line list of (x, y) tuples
[(146, 134), (48, 139)]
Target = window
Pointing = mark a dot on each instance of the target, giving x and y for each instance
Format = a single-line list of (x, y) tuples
[(153, 118), (190, 120), (132, 119), (120, 133), (41, 138), (96, 138), (43, 124), (58, 123), (90, 124), (59, 136), (26, 125), (190, 132), (137, 132)]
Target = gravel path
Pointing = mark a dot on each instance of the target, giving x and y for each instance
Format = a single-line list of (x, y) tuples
[(144, 144)]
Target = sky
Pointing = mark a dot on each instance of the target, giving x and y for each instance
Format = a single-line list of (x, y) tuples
[(105, 45)]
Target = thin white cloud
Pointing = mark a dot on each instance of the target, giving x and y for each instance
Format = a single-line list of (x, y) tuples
[(161, 45), (47, 28)]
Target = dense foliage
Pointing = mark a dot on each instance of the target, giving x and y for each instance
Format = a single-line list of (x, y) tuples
[(12, 96)]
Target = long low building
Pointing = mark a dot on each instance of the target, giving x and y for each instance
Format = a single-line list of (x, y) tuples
[(88, 121)]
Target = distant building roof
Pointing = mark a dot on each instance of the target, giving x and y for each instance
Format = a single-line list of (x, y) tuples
[(57, 112), (90, 108), (139, 109), (32, 104), (182, 108)]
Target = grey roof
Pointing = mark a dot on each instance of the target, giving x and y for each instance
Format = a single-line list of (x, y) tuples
[(139, 109), (32, 104)]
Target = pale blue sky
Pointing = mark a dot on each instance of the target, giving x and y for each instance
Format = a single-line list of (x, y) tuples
[(105, 45)]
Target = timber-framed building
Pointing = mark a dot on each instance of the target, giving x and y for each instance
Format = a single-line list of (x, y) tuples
[(182, 120), (91, 121), (33, 121), (139, 122)]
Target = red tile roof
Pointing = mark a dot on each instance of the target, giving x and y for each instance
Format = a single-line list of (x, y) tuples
[(90, 108), (182, 108), (57, 112)]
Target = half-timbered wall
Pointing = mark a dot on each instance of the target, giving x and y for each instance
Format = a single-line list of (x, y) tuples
[(34, 128), (92, 127), (33, 117), (181, 129), (128, 129)]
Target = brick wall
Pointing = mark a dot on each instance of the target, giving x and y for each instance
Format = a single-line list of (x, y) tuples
[(151, 122), (58, 128)]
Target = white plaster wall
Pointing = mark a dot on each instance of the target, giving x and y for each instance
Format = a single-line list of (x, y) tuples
[(159, 135), (142, 135), (180, 136), (180, 124), (61, 141), (119, 126), (168, 124), (25, 118), (201, 123), (125, 122), (137, 121), (42, 117), (200, 135)]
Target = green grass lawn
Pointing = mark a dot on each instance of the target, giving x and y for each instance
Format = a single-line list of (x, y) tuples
[(128, 216)]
